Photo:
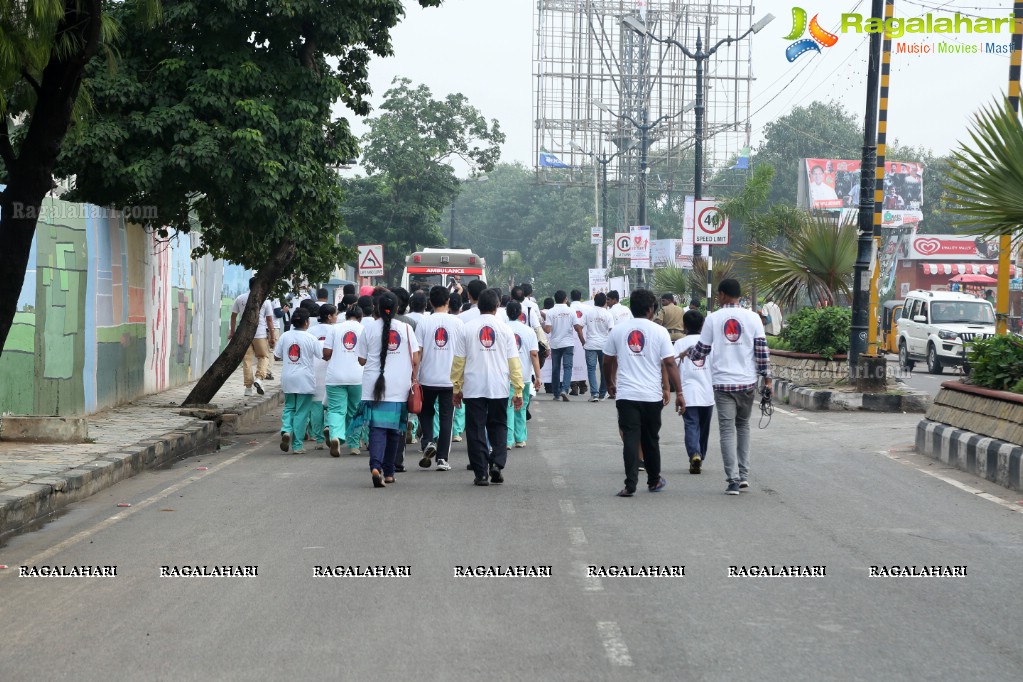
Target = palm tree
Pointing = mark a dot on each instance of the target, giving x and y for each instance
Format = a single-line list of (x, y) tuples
[(817, 263), (671, 278), (723, 269), (987, 178)]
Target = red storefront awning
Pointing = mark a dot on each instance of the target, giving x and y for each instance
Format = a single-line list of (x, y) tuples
[(953, 269)]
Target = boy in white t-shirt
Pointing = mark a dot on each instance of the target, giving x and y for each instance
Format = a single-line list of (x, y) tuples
[(529, 357), (436, 335), (327, 317), (635, 352), (343, 380), (698, 390), (298, 349)]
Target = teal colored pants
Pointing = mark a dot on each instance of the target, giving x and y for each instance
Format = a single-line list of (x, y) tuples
[(342, 404), (296, 415), (316, 419), (517, 418), (457, 421)]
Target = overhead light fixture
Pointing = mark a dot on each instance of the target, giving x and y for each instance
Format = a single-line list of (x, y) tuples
[(763, 22), (600, 105), (636, 25)]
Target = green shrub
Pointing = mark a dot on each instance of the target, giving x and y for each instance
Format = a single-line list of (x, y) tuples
[(997, 363), (822, 331), (778, 343)]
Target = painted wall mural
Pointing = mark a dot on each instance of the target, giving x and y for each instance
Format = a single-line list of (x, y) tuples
[(108, 313)]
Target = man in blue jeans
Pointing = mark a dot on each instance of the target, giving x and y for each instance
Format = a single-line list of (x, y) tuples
[(740, 356), (597, 328), (560, 326)]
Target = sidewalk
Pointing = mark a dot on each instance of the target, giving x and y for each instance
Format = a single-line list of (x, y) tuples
[(38, 479)]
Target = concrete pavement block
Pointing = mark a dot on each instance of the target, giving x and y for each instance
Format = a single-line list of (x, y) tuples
[(44, 429)]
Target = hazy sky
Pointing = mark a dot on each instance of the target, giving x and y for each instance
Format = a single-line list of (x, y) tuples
[(484, 49)]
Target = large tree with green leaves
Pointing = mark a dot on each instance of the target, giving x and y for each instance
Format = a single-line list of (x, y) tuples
[(220, 117), (45, 46), (408, 153)]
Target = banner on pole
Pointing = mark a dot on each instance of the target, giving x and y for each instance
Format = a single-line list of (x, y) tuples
[(639, 252), (596, 235), (598, 282)]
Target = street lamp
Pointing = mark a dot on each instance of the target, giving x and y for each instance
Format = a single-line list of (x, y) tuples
[(699, 56), (603, 160), (451, 233), (644, 130)]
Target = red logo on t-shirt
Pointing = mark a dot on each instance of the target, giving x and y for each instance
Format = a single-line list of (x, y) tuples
[(579, 313), (636, 341), (393, 341), (518, 341), (294, 352), (440, 337), (349, 340), (733, 330), (487, 336), (699, 363), (522, 318)]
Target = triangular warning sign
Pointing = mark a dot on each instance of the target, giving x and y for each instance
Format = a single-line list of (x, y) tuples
[(370, 261)]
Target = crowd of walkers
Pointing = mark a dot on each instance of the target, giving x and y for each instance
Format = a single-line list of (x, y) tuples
[(432, 367)]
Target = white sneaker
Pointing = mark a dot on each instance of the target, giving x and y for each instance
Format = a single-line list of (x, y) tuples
[(248, 391), (521, 444), (456, 439), (259, 387), (442, 465), (594, 399)]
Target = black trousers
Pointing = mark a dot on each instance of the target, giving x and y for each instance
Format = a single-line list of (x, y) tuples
[(483, 417), (640, 423), (446, 410)]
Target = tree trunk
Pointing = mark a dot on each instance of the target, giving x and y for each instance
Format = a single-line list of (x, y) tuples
[(227, 362), (30, 170)]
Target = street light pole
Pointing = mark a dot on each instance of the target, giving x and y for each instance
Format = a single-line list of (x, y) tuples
[(637, 25)]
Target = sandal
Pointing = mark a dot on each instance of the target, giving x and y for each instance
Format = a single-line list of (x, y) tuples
[(389, 479)]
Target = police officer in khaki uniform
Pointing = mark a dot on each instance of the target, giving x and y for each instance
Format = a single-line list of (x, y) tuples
[(670, 317)]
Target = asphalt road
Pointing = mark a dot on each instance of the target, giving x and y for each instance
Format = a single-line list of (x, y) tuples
[(920, 378), (836, 490)]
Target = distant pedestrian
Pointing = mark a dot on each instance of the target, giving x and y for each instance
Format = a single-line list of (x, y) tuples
[(698, 390), (417, 306), (387, 351), (486, 369), (670, 317), (598, 326), (298, 349), (259, 350), (528, 347), (618, 311), (321, 330), (436, 335), (694, 304), (740, 355), (636, 354), (561, 327), (343, 381)]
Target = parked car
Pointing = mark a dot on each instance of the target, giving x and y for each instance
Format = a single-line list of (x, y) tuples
[(935, 327)]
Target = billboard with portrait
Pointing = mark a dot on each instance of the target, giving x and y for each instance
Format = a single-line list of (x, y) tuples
[(834, 185)]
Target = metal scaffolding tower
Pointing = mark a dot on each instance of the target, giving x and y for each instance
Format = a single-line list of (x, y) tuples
[(583, 55)]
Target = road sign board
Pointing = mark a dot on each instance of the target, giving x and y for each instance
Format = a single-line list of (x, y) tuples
[(596, 235), (623, 244), (711, 224), (371, 260)]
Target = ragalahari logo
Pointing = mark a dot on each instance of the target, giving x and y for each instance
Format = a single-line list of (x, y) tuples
[(818, 36)]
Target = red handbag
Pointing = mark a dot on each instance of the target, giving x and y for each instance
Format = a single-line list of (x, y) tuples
[(415, 394)]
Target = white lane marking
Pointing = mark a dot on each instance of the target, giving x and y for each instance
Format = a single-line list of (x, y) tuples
[(591, 583), (577, 536), (120, 516), (559, 482), (958, 484), (614, 645), (566, 506)]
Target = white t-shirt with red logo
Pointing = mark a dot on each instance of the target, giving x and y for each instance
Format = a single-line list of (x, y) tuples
[(298, 350), (487, 344), (321, 331), (697, 387), (562, 321), (640, 345), (525, 341), (397, 370), (436, 336), (343, 368), (599, 323), (729, 332)]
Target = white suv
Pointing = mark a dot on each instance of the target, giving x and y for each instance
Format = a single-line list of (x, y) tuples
[(935, 325)]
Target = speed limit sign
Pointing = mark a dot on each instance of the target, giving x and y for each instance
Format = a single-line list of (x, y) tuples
[(623, 244), (711, 224)]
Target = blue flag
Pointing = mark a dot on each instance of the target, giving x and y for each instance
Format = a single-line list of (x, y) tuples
[(548, 160), (742, 163)]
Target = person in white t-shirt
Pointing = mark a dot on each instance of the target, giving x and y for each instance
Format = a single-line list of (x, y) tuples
[(561, 326), (634, 355), (388, 352), (417, 307), (326, 318), (698, 391), (598, 326), (299, 350), (529, 357), (473, 290), (485, 370), (579, 371), (262, 342), (740, 356), (617, 310), (343, 380), (436, 335)]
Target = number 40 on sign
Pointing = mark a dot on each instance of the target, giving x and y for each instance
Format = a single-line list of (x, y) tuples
[(711, 224)]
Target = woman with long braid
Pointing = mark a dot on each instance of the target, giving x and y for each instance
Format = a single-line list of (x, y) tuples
[(387, 351)]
